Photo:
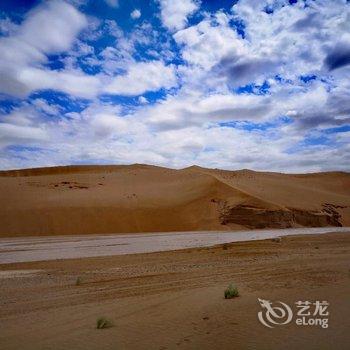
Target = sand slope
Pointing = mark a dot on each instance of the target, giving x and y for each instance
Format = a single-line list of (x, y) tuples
[(142, 198)]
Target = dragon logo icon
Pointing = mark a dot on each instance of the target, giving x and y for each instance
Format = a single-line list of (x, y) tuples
[(274, 315)]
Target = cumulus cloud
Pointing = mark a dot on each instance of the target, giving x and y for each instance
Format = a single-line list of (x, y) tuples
[(305, 32), (178, 112), (38, 34), (320, 108), (176, 132), (174, 13), (7, 27), (72, 82), (52, 28), (208, 42), (143, 100), (241, 71), (255, 86), (36, 37), (100, 133), (42, 105), (135, 14), (41, 26), (36, 116), (19, 134), (141, 77), (112, 3)]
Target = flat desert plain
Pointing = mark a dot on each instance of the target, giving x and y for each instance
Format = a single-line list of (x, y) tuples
[(174, 299)]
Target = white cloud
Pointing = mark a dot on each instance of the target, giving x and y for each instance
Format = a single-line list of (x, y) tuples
[(52, 27), (174, 13), (135, 14), (182, 111), (7, 26), (303, 32), (290, 41), (72, 82), (112, 3), (206, 43), (101, 134), (142, 77), (49, 28), (15, 134), (143, 100), (190, 124), (106, 125), (45, 107)]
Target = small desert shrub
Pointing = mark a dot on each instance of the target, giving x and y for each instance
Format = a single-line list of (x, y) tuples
[(102, 322), (225, 246), (231, 292), (78, 281)]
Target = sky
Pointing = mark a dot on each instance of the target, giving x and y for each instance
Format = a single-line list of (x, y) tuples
[(257, 84)]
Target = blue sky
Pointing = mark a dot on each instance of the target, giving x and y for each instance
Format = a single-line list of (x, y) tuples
[(252, 84)]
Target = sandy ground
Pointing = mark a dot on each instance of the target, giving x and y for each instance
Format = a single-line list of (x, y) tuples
[(174, 300), (141, 198)]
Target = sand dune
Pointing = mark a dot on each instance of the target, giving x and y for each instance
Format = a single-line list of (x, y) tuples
[(142, 198)]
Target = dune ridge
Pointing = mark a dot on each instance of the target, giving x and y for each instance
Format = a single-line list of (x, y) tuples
[(145, 198)]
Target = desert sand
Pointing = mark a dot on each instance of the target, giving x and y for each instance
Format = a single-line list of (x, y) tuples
[(143, 198), (169, 299), (175, 300)]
